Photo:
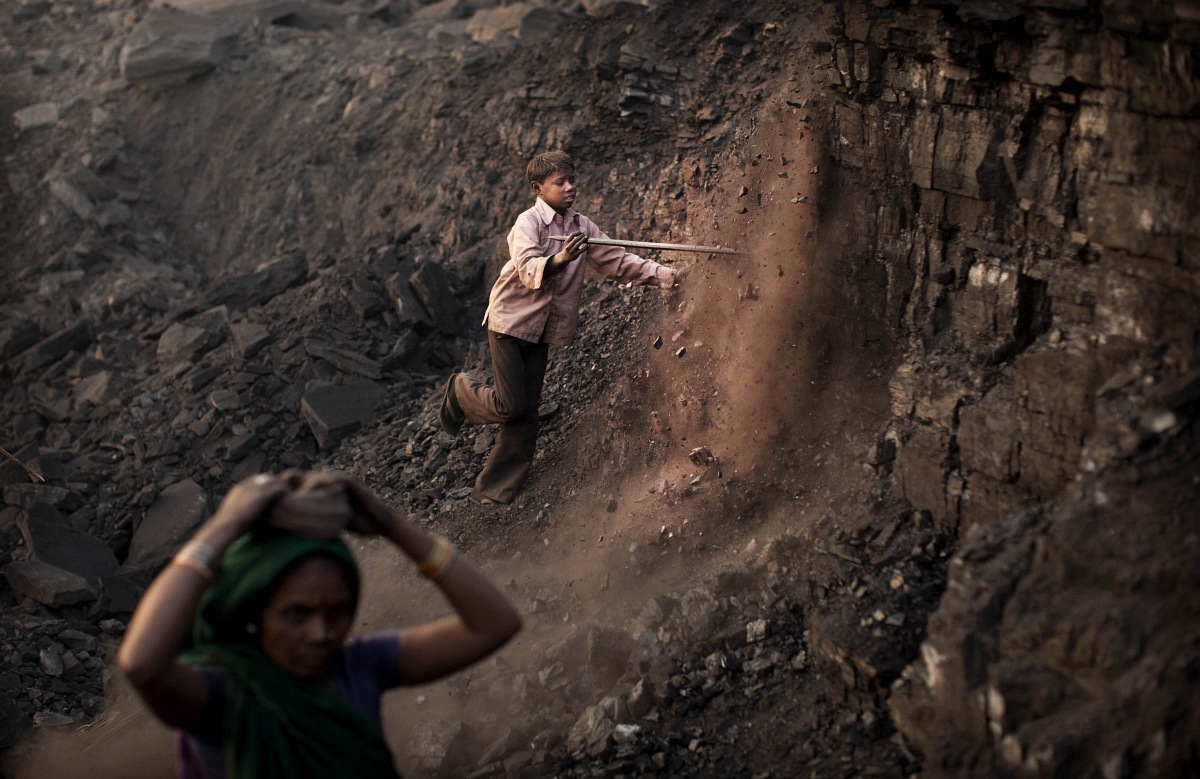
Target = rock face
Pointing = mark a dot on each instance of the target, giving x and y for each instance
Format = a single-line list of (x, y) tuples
[(1032, 195)]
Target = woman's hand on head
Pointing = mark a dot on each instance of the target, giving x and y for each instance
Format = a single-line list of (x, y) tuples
[(247, 503), (372, 515), (317, 507)]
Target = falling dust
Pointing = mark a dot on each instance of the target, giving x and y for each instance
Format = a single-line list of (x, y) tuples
[(750, 310), (777, 377)]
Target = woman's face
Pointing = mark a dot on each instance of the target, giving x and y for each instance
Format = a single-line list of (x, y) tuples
[(306, 620)]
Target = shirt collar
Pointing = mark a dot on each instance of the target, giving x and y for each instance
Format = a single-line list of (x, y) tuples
[(547, 214)]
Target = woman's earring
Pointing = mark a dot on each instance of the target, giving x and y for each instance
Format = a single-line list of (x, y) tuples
[(251, 628)]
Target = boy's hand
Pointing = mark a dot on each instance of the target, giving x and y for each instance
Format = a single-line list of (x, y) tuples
[(574, 246)]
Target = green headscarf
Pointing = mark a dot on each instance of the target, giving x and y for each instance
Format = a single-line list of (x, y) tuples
[(276, 724)]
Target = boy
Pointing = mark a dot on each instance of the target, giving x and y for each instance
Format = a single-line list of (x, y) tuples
[(533, 304)]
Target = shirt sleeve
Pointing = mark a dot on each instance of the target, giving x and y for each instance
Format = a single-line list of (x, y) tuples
[(375, 657), (525, 250), (625, 266)]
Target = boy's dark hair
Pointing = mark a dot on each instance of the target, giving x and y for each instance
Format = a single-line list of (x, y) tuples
[(547, 163)]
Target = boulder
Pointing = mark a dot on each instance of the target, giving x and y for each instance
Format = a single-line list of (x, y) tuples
[(592, 733), (408, 307), (432, 286)]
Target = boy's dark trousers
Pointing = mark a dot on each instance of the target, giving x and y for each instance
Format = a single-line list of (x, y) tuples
[(519, 369)]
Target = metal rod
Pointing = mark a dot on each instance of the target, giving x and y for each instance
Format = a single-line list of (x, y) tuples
[(677, 247), (32, 473)]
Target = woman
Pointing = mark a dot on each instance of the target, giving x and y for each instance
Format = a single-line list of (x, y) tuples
[(267, 686)]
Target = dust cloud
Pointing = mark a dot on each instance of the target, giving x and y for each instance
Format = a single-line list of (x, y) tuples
[(776, 357), (773, 362), (751, 310), (126, 742)]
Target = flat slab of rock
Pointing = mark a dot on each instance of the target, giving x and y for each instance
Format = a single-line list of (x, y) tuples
[(94, 390), (169, 47), (24, 495), (344, 359), (51, 540), (55, 346), (48, 584), (249, 338), (188, 341), (243, 291), (34, 116), (334, 411), (168, 521)]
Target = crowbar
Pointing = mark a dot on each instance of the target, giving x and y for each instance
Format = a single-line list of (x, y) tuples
[(676, 247)]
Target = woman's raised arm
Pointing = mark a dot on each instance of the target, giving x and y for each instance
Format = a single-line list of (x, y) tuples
[(149, 654), (484, 619)]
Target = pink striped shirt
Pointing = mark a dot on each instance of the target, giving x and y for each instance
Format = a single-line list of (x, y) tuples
[(528, 306)]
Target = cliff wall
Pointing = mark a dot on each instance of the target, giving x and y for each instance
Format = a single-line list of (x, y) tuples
[(1026, 175)]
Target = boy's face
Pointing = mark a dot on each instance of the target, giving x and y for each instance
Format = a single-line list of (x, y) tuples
[(558, 190)]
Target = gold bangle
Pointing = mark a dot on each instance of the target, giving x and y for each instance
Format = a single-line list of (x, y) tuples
[(438, 561)]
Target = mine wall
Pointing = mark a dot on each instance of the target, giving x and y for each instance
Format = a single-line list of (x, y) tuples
[(1026, 174)]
